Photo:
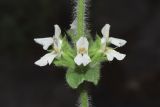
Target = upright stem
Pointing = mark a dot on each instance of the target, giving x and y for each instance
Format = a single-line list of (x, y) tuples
[(81, 26), (81, 17), (84, 98)]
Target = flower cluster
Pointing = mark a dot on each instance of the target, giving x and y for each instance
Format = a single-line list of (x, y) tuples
[(82, 56)]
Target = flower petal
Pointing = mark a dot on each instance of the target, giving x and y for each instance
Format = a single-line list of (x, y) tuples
[(111, 53), (105, 31), (57, 31), (103, 43), (74, 25), (82, 43), (45, 42), (86, 59), (57, 43), (117, 42), (46, 59), (78, 59), (82, 59)]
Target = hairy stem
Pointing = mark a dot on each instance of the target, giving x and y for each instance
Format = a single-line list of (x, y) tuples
[(81, 17), (81, 26), (84, 98)]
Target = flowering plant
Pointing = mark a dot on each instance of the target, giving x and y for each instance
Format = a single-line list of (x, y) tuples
[(82, 55)]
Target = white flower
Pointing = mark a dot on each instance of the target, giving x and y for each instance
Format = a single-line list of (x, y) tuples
[(108, 51), (82, 52), (54, 41), (74, 26), (111, 53)]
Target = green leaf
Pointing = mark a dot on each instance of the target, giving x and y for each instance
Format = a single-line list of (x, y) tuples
[(74, 78), (77, 76), (93, 74), (95, 52), (73, 36), (94, 46), (98, 57), (66, 47), (63, 63), (67, 57)]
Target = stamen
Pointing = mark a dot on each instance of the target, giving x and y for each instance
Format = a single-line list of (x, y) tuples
[(56, 50), (82, 50)]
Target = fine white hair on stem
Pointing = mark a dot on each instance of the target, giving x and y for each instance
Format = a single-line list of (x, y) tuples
[(86, 16), (74, 14), (79, 103), (87, 6), (89, 102)]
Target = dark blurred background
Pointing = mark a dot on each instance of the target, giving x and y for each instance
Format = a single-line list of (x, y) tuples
[(133, 82)]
